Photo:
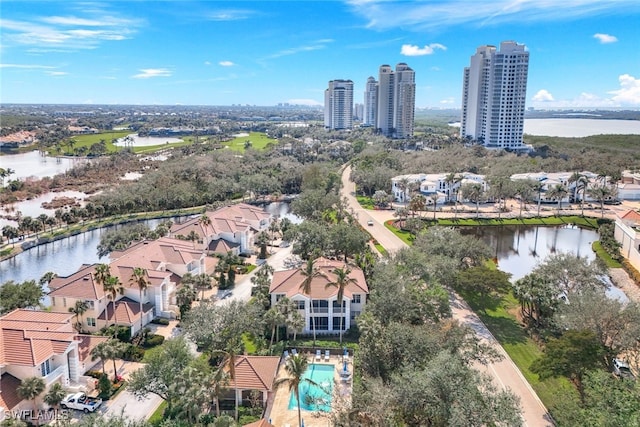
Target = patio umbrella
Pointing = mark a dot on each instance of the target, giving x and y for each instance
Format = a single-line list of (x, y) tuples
[(344, 368)]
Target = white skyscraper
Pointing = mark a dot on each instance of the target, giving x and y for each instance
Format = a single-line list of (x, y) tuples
[(338, 105), (494, 95), (370, 102), (405, 101), (396, 101)]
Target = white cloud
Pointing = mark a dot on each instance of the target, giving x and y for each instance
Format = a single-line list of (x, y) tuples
[(230, 14), (605, 38), (226, 64), (56, 73), (629, 92), (25, 66), (317, 45), (311, 102), (413, 50), (207, 63), (147, 73), (542, 95), (423, 15), (69, 32), (448, 101)]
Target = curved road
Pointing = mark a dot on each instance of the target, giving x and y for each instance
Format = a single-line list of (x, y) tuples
[(505, 373)]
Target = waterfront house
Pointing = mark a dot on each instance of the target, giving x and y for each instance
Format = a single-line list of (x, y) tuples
[(326, 308), (229, 229)]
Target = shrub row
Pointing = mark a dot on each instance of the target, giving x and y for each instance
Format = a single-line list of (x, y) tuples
[(631, 270)]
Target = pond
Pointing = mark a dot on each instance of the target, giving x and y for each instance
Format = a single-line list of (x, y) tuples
[(519, 249), (33, 207)]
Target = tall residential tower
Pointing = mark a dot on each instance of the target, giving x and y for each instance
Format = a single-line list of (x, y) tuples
[(396, 101), (494, 95), (370, 102), (338, 105)]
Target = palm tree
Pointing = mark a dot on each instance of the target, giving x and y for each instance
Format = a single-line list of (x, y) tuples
[(112, 287), (310, 272), (54, 396), (600, 192), (29, 389), (79, 309), (47, 278), (558, 192), (234, 347), (184, 297), (218, 383), (193, 236), (295, 367), (341, 282), (101, 351), (473, 192), (138, 277)]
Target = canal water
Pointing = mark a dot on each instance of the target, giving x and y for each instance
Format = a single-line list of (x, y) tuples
[(66, 256)]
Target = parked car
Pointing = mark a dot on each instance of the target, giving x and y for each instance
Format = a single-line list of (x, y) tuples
[(226, 294), (622, 369), (80, 402), (370, 223)]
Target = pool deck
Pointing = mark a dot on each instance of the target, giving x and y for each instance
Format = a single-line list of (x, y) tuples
[(280, 414)]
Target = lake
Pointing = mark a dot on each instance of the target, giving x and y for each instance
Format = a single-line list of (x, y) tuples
[(32, 164), (577, 127), (580, 127), (519, 249)]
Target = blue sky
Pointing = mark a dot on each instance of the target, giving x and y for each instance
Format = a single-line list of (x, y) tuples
[(583, 53)]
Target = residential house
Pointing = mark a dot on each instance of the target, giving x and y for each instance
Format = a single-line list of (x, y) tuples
[(627, 233), (432, 186), (42, 344), (232, 228), (326, 308), (164, 262)]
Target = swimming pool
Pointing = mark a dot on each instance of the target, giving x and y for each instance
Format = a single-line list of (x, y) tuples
[(313, 398)]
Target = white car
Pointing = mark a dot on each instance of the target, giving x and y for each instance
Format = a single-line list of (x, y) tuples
[(622, 369), (81, 402), (370, 223)]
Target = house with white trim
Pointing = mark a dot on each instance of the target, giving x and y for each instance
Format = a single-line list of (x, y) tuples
[(232, 228), (627, 232), (326, 308), (36, 343)]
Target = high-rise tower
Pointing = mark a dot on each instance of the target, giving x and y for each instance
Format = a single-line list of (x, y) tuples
[(396, 101), (370, 102), (338, 105), (494, 96)]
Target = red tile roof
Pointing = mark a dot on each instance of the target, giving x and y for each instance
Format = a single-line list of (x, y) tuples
[(127, 311), (256, 372), (631, 216), (29, 337), (87, 343), (80, 285), (8, 391), (288, 282)]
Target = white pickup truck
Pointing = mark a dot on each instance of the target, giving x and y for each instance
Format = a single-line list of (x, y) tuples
[(81, 402)]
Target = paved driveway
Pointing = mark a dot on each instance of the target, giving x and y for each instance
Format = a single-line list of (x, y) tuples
[(128, 405), (505, 373)]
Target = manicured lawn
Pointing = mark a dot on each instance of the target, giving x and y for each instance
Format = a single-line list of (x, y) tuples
[(546, 221), (365, 201), (498, 314), (157, 418), (604, 255), (89, 140), (258, 140), (249, 346)]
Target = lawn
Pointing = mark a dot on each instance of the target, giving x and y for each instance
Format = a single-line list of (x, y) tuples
[(498, 314), (258, 140), (90, 139), (604, 256)]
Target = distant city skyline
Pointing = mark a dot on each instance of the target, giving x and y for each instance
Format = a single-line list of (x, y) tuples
[(583, 53)]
